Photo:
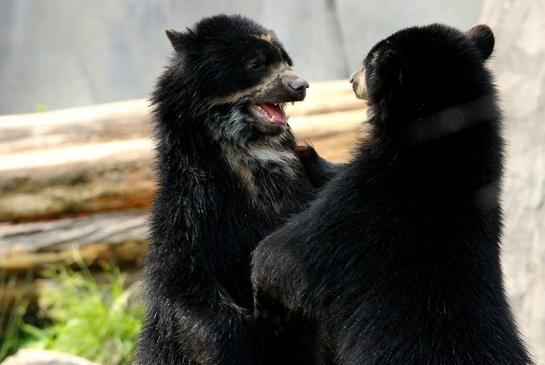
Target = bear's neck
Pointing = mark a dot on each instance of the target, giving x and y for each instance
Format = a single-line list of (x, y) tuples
[(196, 143), (455, 151)]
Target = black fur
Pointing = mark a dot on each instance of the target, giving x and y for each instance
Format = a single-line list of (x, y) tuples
[(223, 185), (399, 256), (317, 169)]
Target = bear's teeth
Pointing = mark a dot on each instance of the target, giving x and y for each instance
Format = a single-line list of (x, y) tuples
[(264, 112)]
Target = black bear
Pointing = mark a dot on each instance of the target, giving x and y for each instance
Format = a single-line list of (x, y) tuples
[(228, 175), (398, 258)]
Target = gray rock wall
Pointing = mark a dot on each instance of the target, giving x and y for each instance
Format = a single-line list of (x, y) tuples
[(519, 65), (59, 54)]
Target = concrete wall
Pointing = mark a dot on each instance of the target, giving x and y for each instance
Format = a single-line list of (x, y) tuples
[(519, 66), (70, 53)]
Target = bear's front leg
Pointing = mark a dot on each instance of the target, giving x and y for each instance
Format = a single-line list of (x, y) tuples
[(287, 334), (317, 169)]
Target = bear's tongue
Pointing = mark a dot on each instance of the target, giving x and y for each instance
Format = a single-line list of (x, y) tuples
[(274, 112)]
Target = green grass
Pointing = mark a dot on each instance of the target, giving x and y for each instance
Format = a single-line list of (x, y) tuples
[(12, 336), (81, 316), (12, 321)]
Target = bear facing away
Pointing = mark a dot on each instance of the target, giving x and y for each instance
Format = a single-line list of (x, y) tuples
[(227, 176), (399, 255)]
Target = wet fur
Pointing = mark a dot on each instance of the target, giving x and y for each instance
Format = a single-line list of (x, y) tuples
[(398, 258)]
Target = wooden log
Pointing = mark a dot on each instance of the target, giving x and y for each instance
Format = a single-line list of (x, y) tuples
[(67, 127), (33, 246), (93, 177), (72, 180), (131, 120), (98, 158), (82, 169)]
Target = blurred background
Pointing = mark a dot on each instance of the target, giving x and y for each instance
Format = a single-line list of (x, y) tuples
[(75, 154), (58, 53)]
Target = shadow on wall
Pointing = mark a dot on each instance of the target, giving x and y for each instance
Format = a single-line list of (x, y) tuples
[(57, 54)]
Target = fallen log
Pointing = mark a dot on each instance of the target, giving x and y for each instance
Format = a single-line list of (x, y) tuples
[(36, 245), (93, 177), (131, 120), (84, 169), (75, 184)]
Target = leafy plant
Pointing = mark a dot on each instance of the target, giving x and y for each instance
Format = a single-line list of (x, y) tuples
[(11, 337), (89, 319), (12, 312)]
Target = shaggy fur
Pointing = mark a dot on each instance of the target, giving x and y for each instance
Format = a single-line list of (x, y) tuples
[(399, 255), (227, 177)]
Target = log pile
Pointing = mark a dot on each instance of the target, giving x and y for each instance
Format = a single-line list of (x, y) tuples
[(83, 177)]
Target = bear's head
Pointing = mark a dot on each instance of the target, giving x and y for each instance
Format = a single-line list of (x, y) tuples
[(420, 71), (237, 71)]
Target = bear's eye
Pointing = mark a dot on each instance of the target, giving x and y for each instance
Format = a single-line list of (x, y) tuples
[(256, 65), (258, 62)]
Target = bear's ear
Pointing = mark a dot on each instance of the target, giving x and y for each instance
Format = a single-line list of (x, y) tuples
[(177, 39), (483, 38)]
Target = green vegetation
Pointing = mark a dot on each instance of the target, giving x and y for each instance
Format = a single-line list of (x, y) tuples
[(12, 336), (81, 316), (12, 321)]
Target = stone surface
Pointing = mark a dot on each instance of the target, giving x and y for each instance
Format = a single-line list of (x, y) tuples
[(519, 64), (363, 23), (44, 357), (58, 54)]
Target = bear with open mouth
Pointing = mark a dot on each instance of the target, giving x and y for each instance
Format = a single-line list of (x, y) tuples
[(228, 175), (398, 258)]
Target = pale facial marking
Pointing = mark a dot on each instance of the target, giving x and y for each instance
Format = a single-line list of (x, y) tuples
[(281, 71), (269, 154), (265, 37), (359, 84), (244, 162), (258, 90)]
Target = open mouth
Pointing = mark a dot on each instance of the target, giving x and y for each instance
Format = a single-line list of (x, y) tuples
[(269, 113)]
